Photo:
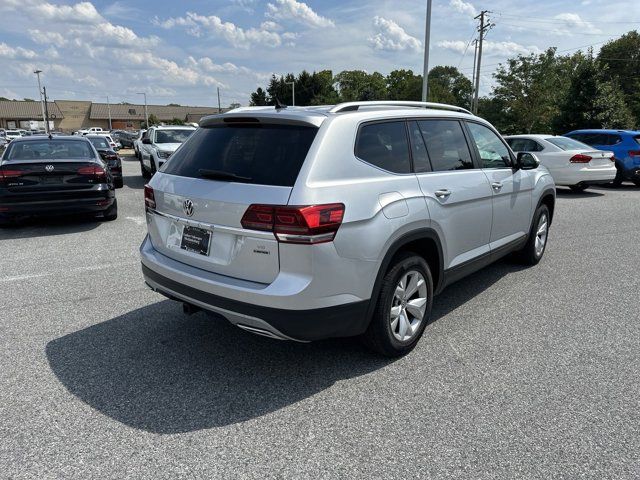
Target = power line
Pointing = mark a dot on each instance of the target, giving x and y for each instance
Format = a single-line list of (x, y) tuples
[(560, 21)]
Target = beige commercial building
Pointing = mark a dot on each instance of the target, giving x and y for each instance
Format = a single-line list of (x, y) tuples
[(71, 115)]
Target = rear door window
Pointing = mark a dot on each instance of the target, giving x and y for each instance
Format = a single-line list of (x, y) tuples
[(524, 145), (446, 145), (385, 145), (265, 154)]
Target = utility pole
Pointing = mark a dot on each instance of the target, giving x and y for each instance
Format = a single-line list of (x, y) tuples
[(109, 110), (484, 27), (46, 111), (293, 86), (44, 117), (219, 107), (473, 75), (427, 39), (146, 116)]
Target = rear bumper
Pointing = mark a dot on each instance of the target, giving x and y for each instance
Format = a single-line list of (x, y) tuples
[(55, 203), (585, 175), (194, 286), (632, 173)]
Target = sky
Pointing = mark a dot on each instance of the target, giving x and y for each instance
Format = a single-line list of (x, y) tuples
[(182, 51)]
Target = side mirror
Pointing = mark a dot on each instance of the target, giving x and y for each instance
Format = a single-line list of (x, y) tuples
[(526, 161), (146, 141)]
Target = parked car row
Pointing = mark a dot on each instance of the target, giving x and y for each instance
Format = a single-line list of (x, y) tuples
[(583, 158)]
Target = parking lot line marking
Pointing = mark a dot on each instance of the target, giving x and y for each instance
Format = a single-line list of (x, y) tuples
[(17, 278), (138, 220)]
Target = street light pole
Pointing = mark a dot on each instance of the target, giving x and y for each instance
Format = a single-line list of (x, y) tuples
[(44, 117), (293, 86), (109, 110), (427, 38), (146, 116)]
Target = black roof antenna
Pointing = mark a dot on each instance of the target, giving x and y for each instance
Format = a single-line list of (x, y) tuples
[(279, 104)]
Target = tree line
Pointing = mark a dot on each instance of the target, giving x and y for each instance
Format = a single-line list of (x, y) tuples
[(536, 93)]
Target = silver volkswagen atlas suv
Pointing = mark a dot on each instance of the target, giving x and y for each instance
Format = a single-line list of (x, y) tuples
[(304, 223)]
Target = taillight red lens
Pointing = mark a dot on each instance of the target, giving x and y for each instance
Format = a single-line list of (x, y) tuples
[(149, 197), (10, 173), (95, 171), (298, 224), (580, 158), (634, 153)]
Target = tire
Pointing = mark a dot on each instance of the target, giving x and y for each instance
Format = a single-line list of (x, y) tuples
[(532, 252), (111, 213), (396, 337), (145, 173), (118, 183), (578, 188), (637, 183), (619, 178)]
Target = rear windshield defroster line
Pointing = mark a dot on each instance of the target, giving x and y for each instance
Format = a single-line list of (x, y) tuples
[(264, 154)]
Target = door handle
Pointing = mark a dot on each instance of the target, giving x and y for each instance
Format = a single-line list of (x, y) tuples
[(444, 193), (496, 186)]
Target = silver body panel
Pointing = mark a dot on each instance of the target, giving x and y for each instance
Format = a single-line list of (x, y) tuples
[(380, 207)]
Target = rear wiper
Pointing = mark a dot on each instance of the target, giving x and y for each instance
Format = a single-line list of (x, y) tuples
[(220, 175)]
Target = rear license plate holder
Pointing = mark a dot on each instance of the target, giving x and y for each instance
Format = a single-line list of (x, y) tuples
[(196, 240)]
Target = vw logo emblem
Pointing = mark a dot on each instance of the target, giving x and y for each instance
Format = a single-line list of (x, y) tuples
[(49, 168), (187, 206)]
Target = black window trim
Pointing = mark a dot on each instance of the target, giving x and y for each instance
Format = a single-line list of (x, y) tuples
[(476, 152)]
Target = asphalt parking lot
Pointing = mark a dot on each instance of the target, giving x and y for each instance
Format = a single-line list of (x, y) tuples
[(525, 373)]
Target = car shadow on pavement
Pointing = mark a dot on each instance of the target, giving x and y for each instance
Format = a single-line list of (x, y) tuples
[(566, 193), (48, 226), (134, 181), (158, 370)]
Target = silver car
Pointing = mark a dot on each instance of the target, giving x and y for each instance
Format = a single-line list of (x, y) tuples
[(305, 223)]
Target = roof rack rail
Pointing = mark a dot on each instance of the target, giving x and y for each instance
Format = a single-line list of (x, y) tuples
[(354, 106)]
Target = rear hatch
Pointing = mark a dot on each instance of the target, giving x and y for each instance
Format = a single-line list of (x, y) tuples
[(201, 194)]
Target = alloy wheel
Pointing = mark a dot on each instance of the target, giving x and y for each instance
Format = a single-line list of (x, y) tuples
[(408, 306)]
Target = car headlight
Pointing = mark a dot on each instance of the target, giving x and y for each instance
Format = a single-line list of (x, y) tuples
[(162, 154)]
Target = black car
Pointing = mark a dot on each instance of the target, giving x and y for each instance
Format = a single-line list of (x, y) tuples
[(110, 157), (54, 176), (125, 138)]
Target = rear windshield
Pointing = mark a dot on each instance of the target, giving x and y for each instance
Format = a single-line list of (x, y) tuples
[(49, 150), (566, 143), (99, 142), (261, 154), (172, 136)]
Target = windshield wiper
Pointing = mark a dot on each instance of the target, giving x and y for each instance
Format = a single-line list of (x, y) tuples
[(220, 175)]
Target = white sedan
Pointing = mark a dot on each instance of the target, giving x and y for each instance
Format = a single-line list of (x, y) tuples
[(571, 163)]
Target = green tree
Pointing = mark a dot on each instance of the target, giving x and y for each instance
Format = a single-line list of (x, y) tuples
[(621, 58), (173, 105), (259, 98), (404, 85), (448, 85), (529, 88), (28, 100), (153, 120), (591, 100), (174, 121), (356, 85)]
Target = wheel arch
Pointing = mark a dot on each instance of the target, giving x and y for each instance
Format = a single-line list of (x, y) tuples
[(424, 242)]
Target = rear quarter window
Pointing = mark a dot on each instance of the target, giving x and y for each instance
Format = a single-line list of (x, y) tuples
[(385, 145), (264, 154)]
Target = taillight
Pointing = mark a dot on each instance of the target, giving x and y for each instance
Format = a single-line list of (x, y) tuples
[(98, 173), (300, 224), (634, 153), (612, 158), (7, 174), (149, 197), (580, 158)]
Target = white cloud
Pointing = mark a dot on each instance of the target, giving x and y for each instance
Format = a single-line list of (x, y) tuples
[(83, 12), (463, 7), (7, 51), (573, 21), (47, 37), (236, 36), (298, 11), (505, 49), (391, 36)]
